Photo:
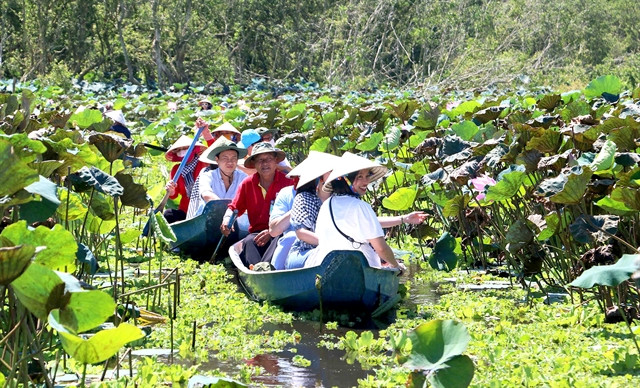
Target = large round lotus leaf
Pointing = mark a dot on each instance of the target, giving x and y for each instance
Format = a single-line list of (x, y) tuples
[(60, 245), (604, 159), (100, 180), (15, 174), (76, 209), (574, 189), (403, 109), (609, 275), (587, 229), (86, 257), (110, 146), (84, 117), (320, 144), (549, 102), (391, 140), (401, 199), (506, 187), (606, 84), (444, 257), (99, 347), (436, 342), (40, 290), (371, 142), (456, 205), (371, 113), (87, 309), (549, 141), (134, 194), (13, 261), (518, 236), (465, 129), (102, 206), (452, 145), (456, 373), (46, 167), (486, 115), (36, 211)]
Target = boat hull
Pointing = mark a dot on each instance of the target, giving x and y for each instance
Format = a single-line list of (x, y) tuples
[(199, 236), (343, 280)]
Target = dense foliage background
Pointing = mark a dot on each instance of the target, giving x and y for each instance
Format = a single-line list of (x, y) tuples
[(446, 43)]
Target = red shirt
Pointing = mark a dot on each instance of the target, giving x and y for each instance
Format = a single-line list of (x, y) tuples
[(249, 198), (180, 185)]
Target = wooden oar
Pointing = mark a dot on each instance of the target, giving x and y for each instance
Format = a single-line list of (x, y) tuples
[(176, 176), (223, 237)]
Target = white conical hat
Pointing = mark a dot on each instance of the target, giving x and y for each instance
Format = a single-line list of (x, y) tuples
[(182, 142), (226, 127), (117, 116), (349, 163), (314, 166)]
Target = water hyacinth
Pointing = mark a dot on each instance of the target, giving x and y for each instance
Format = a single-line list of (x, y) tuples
[(481, 185)]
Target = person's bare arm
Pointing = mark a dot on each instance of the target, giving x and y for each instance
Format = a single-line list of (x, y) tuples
[(411, 218), (384, 251), (307, 236), (209, 196), (278, 225)]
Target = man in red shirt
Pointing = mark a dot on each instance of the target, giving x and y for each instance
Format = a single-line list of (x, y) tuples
[(255, 196)]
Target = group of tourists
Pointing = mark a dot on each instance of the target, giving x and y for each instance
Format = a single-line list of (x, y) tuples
[(294, 217)]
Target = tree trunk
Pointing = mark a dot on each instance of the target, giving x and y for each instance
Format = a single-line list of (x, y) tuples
[(121, 14)]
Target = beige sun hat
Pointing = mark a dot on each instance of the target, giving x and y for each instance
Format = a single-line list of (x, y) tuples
[(182, 142), (263, 148), (221, 145), (315, 165), (117, 116), (226, 127), (349, 163)]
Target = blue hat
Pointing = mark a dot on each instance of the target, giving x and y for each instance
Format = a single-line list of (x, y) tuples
[(249, 137)]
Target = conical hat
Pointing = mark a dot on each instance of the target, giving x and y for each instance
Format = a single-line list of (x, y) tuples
[(182, 142), (226, 127), (220, 145), (314, 166), (117, 116), (349, 163)]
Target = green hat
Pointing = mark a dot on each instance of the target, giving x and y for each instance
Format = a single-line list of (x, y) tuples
[(220, 145), (263, 148)]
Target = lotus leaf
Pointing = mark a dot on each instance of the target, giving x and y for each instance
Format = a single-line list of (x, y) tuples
[(587, 229), (488, 114), (435, 343), (431, 178), (86, 258), (417, 138), (606, 84), (612, 206), (494, 157), (609, 275), (624, 138), (35, 211), (370, 143), (76, 209), (110, 146), (46, 167), (320, 144), (134, 194), (464, 108), (548, 142), (395, 180), (427, 118), (543, 121), (391, 140), (518, 236), (102, 206), (444, 257), (552, 221), (401, 199), (455, 206), (24, 147), (87, 310), (557, 161), (605, 158), (60, 251), (549, 102), (97, 225), (100, 347), (632, 110), (529, 159), (162, 229), (574, 188), (13, 261), (458, 373), (466, 130), (508, 186), (403, 109), (85, 117), (453, 145), (39, 289), (627, 159), (100, 180), (462, 174), (15, 174), (371, 114)]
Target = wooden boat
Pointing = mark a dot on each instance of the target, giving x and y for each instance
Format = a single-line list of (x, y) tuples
[(199, 236), (344, 280)]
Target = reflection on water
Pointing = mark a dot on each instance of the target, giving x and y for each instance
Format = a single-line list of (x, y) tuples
[(328, 367)]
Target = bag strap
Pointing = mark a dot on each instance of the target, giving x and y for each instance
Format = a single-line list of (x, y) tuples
[(349, 238)]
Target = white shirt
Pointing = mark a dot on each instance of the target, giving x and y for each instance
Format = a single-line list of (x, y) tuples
[(356, 219), (211, 181)]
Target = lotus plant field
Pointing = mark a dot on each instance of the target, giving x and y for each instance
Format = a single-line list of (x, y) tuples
[(540, 187)]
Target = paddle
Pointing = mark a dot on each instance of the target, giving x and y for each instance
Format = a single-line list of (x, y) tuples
[(176, 176), (223, 237)]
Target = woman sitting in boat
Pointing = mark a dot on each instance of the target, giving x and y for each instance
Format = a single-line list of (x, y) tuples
[(312, 172), (255, 196), (217, 183), (345, 222)]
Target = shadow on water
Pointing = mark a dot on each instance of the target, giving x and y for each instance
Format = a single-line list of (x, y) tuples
[(328, 367)]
